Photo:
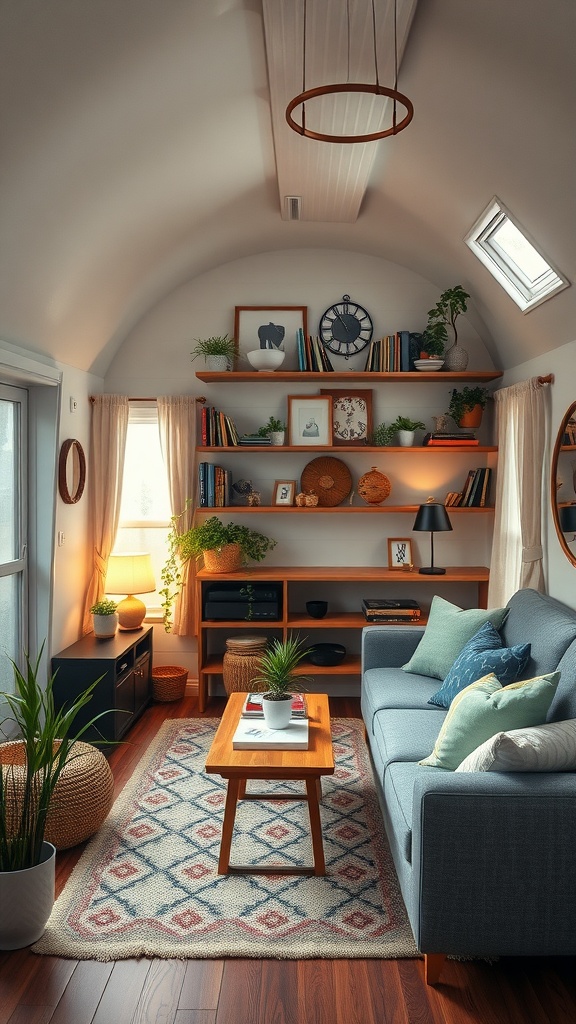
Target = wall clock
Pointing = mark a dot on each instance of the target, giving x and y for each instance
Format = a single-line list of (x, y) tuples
[(345, 327)]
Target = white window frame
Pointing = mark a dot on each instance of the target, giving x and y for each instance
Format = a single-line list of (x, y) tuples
[(526, 293)]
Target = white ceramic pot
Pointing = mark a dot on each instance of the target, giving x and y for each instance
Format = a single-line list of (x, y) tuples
[(406, 438), (27, 898), (105, 625), (218, 364), (277, 437), (277, 713)]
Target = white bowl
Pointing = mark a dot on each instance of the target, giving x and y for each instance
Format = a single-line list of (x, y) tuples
[(428, 365), (266, 359)]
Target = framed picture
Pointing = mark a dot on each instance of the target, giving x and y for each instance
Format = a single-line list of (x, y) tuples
[(284, 492), (309, 420), (269, 327), (399, 553), (351, 415)]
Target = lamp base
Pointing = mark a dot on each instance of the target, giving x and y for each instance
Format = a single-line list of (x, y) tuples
[(131, 612), (432, 570)]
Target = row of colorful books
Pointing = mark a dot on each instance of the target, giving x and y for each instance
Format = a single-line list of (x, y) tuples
[(394, 353), (214, 486), (400, 609), (311, 353), (217, 429), (474, 493)]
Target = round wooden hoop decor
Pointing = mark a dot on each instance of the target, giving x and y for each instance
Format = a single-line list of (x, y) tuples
[(328, 90), (71, 449)]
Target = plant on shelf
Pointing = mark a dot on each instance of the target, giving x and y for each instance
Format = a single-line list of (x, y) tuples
[(405, 423), (104, 607), (466, 400), (451, 304), (273, 426), (219, 345), (277, 673), (383, 435), (104, 618)]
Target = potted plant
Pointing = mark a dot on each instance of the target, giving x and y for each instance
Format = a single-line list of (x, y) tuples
[(451, 304), (218, 351), (27, 861), (466, 406), (274, 429), (224, 546), (278, 674), (433, 340), (104, 618), (405, 428)]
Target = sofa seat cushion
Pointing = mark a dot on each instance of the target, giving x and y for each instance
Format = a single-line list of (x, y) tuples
[(406, 735), (548, 625), (399, 795), (393, 688)]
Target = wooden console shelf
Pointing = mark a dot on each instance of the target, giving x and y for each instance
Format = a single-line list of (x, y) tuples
[(355, 377), (356, 449), (212, 633), (254, 510)]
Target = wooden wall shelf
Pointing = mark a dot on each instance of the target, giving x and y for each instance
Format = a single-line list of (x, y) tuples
[(301, 377), (338, 449), (363, 510)]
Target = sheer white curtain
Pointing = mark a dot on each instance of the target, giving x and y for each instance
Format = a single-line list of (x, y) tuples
[(106, 468), (177, 424), (517, 545)]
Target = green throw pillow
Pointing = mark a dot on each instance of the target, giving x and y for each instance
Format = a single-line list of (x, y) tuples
[(449, 628), (485, 708)]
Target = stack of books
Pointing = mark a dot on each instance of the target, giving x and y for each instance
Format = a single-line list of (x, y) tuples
[(254, 439), (255, 735), (391, 354), (217, 430), (464, 439), (399, 610), (214, 485), (311, 353), (474, 493), (253, 706)]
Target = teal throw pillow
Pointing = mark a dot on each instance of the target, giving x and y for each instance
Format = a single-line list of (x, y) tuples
[(482, 654), (449, 628), (485, 708)]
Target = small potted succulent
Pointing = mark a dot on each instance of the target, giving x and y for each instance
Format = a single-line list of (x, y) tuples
[(466, 406), (275, 430), (104, 618), (219, 351), (278, 674), (405, 428)]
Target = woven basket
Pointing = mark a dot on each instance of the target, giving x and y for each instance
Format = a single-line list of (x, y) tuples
[(169, 682), (81, 800), (239, 669), (329, 478), (227, 559)]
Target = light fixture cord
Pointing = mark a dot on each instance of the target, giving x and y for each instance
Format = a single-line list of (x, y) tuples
[(374, 44), (305, 12)]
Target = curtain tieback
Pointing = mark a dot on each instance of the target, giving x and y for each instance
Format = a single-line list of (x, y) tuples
[(100, 563), (533, 554)]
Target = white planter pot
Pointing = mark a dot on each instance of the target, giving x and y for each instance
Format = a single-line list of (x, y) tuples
[(105, 625), (217, 363), (277, 437), (27, 898), (406, 438), (277, 713)]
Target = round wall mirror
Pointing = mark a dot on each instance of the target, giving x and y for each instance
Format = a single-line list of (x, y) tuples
[(71, 471), (563, 484)]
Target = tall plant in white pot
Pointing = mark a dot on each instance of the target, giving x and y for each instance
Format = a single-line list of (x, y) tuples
[(278, 674)]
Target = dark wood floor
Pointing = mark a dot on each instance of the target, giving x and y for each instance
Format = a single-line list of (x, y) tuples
[(48, 990)]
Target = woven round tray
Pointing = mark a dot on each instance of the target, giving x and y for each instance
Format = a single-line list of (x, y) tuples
[(169, 682), (329, 478)]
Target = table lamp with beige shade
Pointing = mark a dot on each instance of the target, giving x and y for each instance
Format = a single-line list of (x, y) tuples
[(130, 573)]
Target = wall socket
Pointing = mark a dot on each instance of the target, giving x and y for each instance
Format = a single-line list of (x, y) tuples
[(73, 404)]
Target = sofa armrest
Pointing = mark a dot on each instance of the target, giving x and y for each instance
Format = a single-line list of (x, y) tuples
[(493, 863), (389, 646)]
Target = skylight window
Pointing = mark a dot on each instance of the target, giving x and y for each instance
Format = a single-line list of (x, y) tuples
[(513, 259)]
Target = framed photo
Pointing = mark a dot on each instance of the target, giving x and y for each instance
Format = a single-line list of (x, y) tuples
[(399, 553), (269, 327), (351, 415), (284, 492), (309, 420)]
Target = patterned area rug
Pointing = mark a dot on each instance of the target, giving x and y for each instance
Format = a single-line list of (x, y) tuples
[(147, 884)]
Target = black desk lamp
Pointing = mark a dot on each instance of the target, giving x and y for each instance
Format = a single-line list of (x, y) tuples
[(432, 517)]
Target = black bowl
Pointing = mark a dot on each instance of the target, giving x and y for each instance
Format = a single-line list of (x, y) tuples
[(317, 609), (327, 654)]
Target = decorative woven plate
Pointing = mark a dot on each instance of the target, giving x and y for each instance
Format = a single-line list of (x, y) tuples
[(329, 478)]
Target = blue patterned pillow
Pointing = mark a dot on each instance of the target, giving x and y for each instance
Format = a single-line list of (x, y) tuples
[(482, 654)]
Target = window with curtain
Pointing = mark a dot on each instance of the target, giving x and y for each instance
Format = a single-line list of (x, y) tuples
[(13, 530)]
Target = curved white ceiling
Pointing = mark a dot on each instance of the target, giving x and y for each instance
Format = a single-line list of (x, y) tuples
[(136, 151)]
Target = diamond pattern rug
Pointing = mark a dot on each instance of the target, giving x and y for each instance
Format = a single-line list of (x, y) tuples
[(147, 884)]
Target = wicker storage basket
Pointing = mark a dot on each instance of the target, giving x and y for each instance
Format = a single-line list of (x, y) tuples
[(241, 663), (227, 559), (81, 800), (169, 682)]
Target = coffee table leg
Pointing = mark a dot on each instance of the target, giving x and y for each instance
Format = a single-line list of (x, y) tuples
[(228, 825), (315, 826)]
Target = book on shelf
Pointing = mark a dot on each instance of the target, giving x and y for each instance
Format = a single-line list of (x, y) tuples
[(252, 707), (254, 439), (400, 610), (475, 490), (465, 439), (217, 430), (255, 735)]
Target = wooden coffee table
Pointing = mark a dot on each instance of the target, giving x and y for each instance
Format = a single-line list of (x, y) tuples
[(237, 766)]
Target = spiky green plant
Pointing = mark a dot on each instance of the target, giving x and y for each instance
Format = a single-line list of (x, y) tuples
[(278, 667), (48, 739)]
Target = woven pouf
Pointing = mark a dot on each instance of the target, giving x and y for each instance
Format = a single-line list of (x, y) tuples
[(169, 682), (82, 798), (241, 663)]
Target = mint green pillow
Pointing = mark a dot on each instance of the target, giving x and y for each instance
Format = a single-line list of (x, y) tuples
[(449, 628), (485, 708)]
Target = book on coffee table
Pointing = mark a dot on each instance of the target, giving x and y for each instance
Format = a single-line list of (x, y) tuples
[(255, 735), (252, 707)]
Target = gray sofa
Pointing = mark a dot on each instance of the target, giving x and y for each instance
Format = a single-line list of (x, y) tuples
[(486, 860)]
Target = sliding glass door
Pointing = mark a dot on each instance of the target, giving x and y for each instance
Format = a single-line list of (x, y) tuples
[(13, 529)]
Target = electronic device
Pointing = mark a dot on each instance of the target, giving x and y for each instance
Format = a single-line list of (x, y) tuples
[(242, 601)]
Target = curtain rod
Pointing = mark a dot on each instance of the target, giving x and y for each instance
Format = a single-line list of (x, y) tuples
[(199, 398), (548, 379)]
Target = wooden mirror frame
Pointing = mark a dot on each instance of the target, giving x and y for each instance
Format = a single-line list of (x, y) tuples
[(71, 449), (571, 412)]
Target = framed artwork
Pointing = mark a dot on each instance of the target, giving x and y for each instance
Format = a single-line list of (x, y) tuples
[(269, 327), (351, 415), (309, 420), (284, 492), (399, 553)]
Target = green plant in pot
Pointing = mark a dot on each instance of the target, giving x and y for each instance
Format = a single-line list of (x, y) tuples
[(219, 351), (104, 618), (451, 304), (41, 742), (405, 427), (278, 674), (466, 406), (274, 429)]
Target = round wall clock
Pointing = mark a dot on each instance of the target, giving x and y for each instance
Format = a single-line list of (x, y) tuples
[(345, 327)]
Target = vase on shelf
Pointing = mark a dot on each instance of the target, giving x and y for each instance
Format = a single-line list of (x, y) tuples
[(455, 358), (217, 364)]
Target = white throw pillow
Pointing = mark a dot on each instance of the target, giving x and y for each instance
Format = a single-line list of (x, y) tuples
[(539, 748)]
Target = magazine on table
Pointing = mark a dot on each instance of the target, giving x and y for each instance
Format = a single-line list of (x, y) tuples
[(255, 735), (252, 707)]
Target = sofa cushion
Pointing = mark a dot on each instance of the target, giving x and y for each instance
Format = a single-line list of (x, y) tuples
[(548, 625), (482, 654), (449, 628), (563, 705), (406, 735), (393, 688), (542, 748), (399, 795), (485, 708)]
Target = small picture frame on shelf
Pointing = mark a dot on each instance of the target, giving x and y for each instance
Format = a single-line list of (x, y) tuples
[(351, 415), (268, 327), (399, 553), (284, 492), (310, 421)]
